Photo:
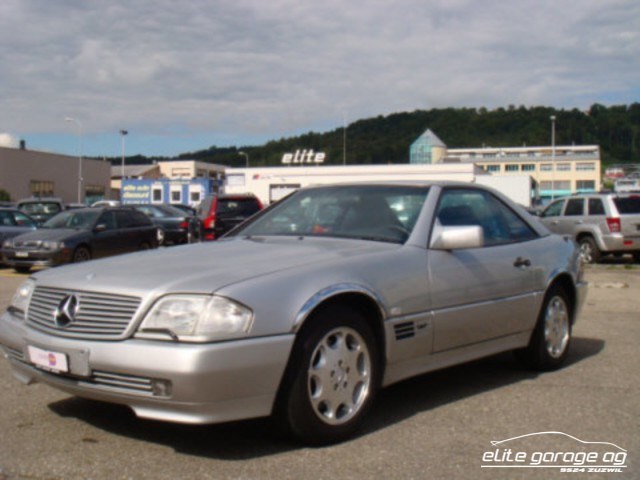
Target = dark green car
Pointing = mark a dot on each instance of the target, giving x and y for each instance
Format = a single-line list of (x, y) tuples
[(80, 235)]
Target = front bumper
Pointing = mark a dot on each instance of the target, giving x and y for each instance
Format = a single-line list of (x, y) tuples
[(177, 382), (581, 296), (33, 258)]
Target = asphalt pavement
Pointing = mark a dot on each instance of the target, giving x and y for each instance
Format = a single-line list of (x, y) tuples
[(437, 426)]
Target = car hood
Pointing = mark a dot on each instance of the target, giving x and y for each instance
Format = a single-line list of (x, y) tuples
[(48, 234), (204, 267), (13, 231)]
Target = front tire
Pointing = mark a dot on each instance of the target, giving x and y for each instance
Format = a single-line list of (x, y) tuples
[(81, 254), (332, 377), (549, 344)]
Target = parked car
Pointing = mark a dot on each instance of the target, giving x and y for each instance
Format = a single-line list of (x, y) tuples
[(600, 223), (185, 208), (306, 310), (13, 222), (41, 209), (80, 235), (221, 213), (106, 203), (176, 227)]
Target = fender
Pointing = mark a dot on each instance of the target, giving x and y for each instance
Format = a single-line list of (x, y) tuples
[(335, 290)]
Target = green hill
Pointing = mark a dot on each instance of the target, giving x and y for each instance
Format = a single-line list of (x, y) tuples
[(386, 139)]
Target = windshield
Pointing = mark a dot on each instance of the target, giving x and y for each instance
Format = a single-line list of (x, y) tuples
[(382, 213), (40, 208), (80, 219)]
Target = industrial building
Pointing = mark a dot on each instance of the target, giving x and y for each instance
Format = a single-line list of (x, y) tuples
[(27, 173)]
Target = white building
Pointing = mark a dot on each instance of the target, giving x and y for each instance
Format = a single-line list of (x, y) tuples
[(559, 171), (272, 183)]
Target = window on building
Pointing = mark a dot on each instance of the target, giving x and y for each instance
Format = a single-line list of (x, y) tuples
[(528, 167), (555, 185), (94, 193), (563, 167), (586, 185), (156, 195), (512, 168), (493, 168), (585, 166), (546, 167), (40, 188), (194, 197)]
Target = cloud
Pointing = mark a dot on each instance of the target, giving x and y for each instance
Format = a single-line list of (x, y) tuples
[(253, 69)]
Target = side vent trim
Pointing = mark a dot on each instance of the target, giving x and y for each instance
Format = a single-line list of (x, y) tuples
[(405, 330)]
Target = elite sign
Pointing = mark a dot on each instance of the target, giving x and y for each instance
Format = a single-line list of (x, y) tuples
[(303, 157)]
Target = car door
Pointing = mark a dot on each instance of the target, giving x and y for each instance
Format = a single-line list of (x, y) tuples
[(479, 294), (105, 239), (136, 230), (573, 218), (552, 215)]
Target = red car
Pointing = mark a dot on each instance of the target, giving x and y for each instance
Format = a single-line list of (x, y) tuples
[(221, 213)]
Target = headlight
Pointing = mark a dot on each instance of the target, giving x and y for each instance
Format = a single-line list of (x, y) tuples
[(8, 243), (21, 298), (48, 245), (197, 318)]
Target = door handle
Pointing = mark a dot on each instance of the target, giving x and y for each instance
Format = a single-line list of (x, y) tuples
[(555, 222), (522, 262)]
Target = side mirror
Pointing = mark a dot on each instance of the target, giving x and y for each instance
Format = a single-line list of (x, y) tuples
[(457, 238)]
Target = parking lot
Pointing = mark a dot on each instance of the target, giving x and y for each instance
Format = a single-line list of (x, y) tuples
[(438, 425)]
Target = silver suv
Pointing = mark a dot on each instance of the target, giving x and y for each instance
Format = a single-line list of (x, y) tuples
[(600, 223)]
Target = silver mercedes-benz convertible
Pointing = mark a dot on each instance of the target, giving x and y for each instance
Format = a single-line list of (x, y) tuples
[(304, 311)]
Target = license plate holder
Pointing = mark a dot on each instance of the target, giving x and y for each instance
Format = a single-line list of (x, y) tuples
[(48, 360)]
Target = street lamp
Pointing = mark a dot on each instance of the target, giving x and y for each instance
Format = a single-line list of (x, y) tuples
[(246, 156), (123, 133), (553, 156), (77, 122)]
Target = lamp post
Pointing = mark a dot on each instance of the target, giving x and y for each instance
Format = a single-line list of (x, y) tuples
[(77, 122), (246, 156), (344, 137), (553, 156), (123, 133)]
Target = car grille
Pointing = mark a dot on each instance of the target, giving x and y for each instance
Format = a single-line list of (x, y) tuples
[(126, 383), (99, 315), (28, 244)]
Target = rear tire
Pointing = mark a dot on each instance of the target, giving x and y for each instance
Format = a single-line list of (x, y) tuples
[(589, 251), (332, 377), (549, 344)]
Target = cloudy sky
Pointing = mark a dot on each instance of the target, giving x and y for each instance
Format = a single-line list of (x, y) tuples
[(184, 75)]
